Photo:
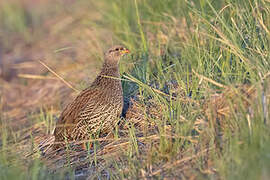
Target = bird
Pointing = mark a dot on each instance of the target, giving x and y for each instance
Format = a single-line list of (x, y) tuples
[(96, 110)]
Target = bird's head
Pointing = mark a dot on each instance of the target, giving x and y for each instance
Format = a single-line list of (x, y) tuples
[(114, 54)]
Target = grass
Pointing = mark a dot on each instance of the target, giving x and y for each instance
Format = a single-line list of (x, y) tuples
[(197, 80)]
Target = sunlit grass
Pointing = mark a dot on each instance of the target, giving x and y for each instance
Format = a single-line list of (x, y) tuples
[(183, 53)]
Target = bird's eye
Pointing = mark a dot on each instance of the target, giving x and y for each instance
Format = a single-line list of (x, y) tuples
[(116, 49)]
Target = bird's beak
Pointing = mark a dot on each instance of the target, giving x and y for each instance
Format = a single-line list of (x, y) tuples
[(125, 51)]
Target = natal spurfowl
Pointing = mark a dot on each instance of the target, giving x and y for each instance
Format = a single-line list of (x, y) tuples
[(97, 108)]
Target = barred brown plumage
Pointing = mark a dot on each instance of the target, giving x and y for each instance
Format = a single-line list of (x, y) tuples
[(97, 108)]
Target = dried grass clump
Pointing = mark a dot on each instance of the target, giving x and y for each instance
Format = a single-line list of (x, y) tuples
[(142, 116), (220, 108)]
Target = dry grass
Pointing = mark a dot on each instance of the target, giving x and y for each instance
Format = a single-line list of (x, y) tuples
[(142, 121), (165, 133)]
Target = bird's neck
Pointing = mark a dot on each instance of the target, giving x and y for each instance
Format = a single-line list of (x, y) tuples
[(110, 69), (108, 77)]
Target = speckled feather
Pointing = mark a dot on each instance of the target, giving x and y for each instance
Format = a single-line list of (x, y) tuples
[(95, 109)]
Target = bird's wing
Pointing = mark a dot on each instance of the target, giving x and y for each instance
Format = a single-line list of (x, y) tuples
[(69, 117), (90, 111), (98, 115)]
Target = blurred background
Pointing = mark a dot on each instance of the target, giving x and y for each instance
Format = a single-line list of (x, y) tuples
[(188, 58), (68, 36)]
